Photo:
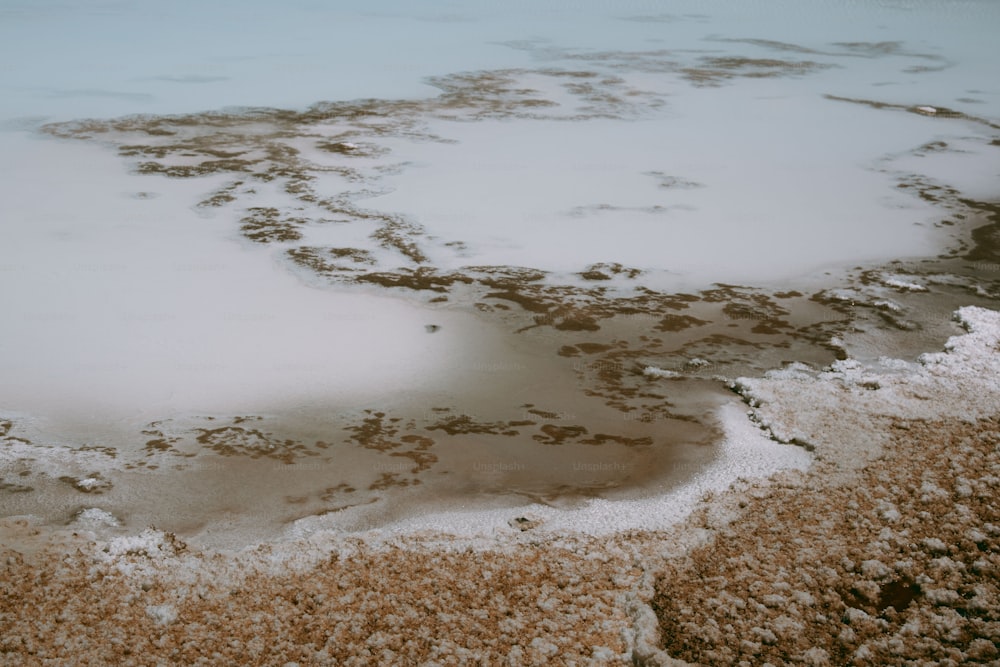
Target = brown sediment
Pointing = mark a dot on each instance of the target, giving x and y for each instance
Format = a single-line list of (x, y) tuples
[(110, 452), (854, 49), (607, 270), (267, 225), (252, 443), (557, 435), (572, 319), (94, 483), (895, 564), (373, 432), (158, 445), (939, 112), (422, 460), (423, 278), (397, 234), (604, 438), (672, 322), (319, 259), (985, 238), (466, 424), (712, 70), (388, 480), (331, 492), (545, 414), (14, 487), (201, 169)]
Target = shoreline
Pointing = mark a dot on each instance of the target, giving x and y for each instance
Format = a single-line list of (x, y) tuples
[(853, 524), (877, 308), (876, 387)]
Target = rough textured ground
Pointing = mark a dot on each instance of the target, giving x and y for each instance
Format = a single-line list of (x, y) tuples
[(898, 565), (368, 606), (885, 552)]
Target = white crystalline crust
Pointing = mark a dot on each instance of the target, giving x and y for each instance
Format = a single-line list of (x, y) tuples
[(96, 517), (654, 372), (840, 404), (794, 405)]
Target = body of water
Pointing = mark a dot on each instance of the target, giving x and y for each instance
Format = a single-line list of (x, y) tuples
[(358, 260)]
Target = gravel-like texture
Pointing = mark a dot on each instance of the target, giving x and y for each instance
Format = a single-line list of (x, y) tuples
[(150, 602), (899, 565)]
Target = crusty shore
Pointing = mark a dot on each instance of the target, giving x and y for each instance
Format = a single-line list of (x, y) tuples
[(886, 551)]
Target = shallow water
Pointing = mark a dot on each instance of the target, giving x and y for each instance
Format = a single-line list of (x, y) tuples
[(443, 286)]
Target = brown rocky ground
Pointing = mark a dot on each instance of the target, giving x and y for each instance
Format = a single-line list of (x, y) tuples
[(368, 606), (896, 562)]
